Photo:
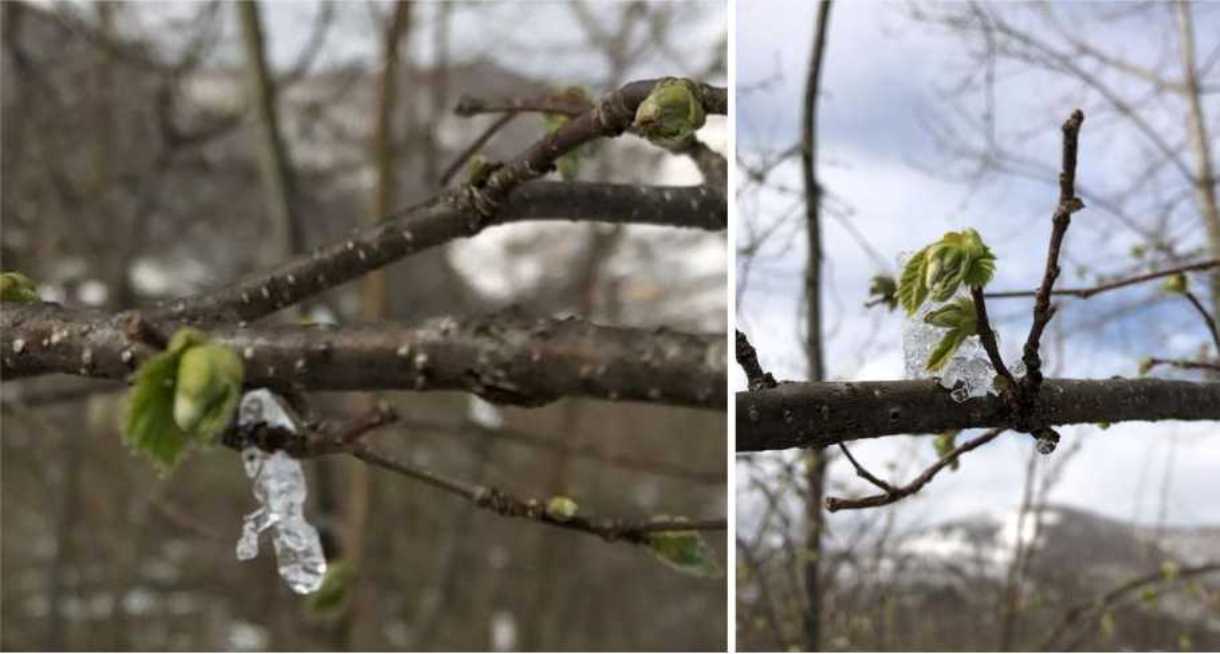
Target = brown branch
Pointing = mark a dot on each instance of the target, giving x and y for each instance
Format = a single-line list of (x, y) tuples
[(448, 216), (892, 494), (1062, 218), (564, 104), (475, 146), (987, 337), (818, 414), (436, 223), (1207, 318), (1085, 293), (502, 503), (1184, 364), (1099, 604), (506, 358), (747, 358), (862, 472)]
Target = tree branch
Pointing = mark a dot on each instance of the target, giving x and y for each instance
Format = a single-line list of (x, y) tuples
[(1062, 218), (747, 358), (438, 222), (892, 494), (817, 414), (505, 358), (500, 502), (1085, 293)]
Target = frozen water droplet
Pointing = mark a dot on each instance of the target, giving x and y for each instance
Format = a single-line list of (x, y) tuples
[(279, 487), (18, 345), (1045, 445), (959, 394)]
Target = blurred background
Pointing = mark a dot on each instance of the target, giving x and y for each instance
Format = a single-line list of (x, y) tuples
[(132, 168), (940, 116)]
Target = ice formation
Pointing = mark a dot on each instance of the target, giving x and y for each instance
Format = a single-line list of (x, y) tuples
[(968, 372), (279, 487)]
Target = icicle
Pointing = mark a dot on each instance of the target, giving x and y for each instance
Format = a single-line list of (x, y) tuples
[(279, 487)]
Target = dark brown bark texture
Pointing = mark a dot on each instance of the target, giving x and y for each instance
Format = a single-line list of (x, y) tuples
[(817, 414), (504, 358)]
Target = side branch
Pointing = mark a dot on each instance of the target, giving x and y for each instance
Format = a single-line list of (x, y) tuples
[(437, 223), (507, 359), (497, 501), (825, 413)]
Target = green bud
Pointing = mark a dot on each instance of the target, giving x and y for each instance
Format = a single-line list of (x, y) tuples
[(208, 389), (15, 287), (1175, 284), (884, 290), (561, 508), (671, 114), (684, 551), (479, 168)]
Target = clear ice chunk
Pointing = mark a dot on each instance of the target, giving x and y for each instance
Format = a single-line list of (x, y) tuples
[(279, 487)]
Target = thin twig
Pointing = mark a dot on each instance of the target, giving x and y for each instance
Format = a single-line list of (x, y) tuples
[(1085, 293), (1062, 218), (1207, 318), (475, 146), (747, 358), (565, 104), (894, 494), (861, 471), (493, 499), (1185, 364), (987, 336)]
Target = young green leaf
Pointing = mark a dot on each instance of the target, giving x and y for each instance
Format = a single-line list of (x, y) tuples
[(912, 288), (15, 287), (684, 551), (938, 270), (208, 389), (944, 350), (331, 598), (945, 444), (671, 114), (148, 416)]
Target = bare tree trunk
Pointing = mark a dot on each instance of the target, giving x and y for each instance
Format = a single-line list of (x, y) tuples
[(374, 307), (816, 459), (285, 234), (65, 526), (1205, 177), (439, 93)]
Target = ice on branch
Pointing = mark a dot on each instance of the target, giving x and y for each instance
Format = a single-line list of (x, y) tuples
[(968, 372), (279, 487)]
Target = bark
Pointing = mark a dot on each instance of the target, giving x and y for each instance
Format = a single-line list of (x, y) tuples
[(504, 358), (284, 235), (816, 459), (819, 414), (1204, 179)]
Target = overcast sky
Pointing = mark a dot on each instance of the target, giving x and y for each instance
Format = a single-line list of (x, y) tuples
[(883, 80)]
